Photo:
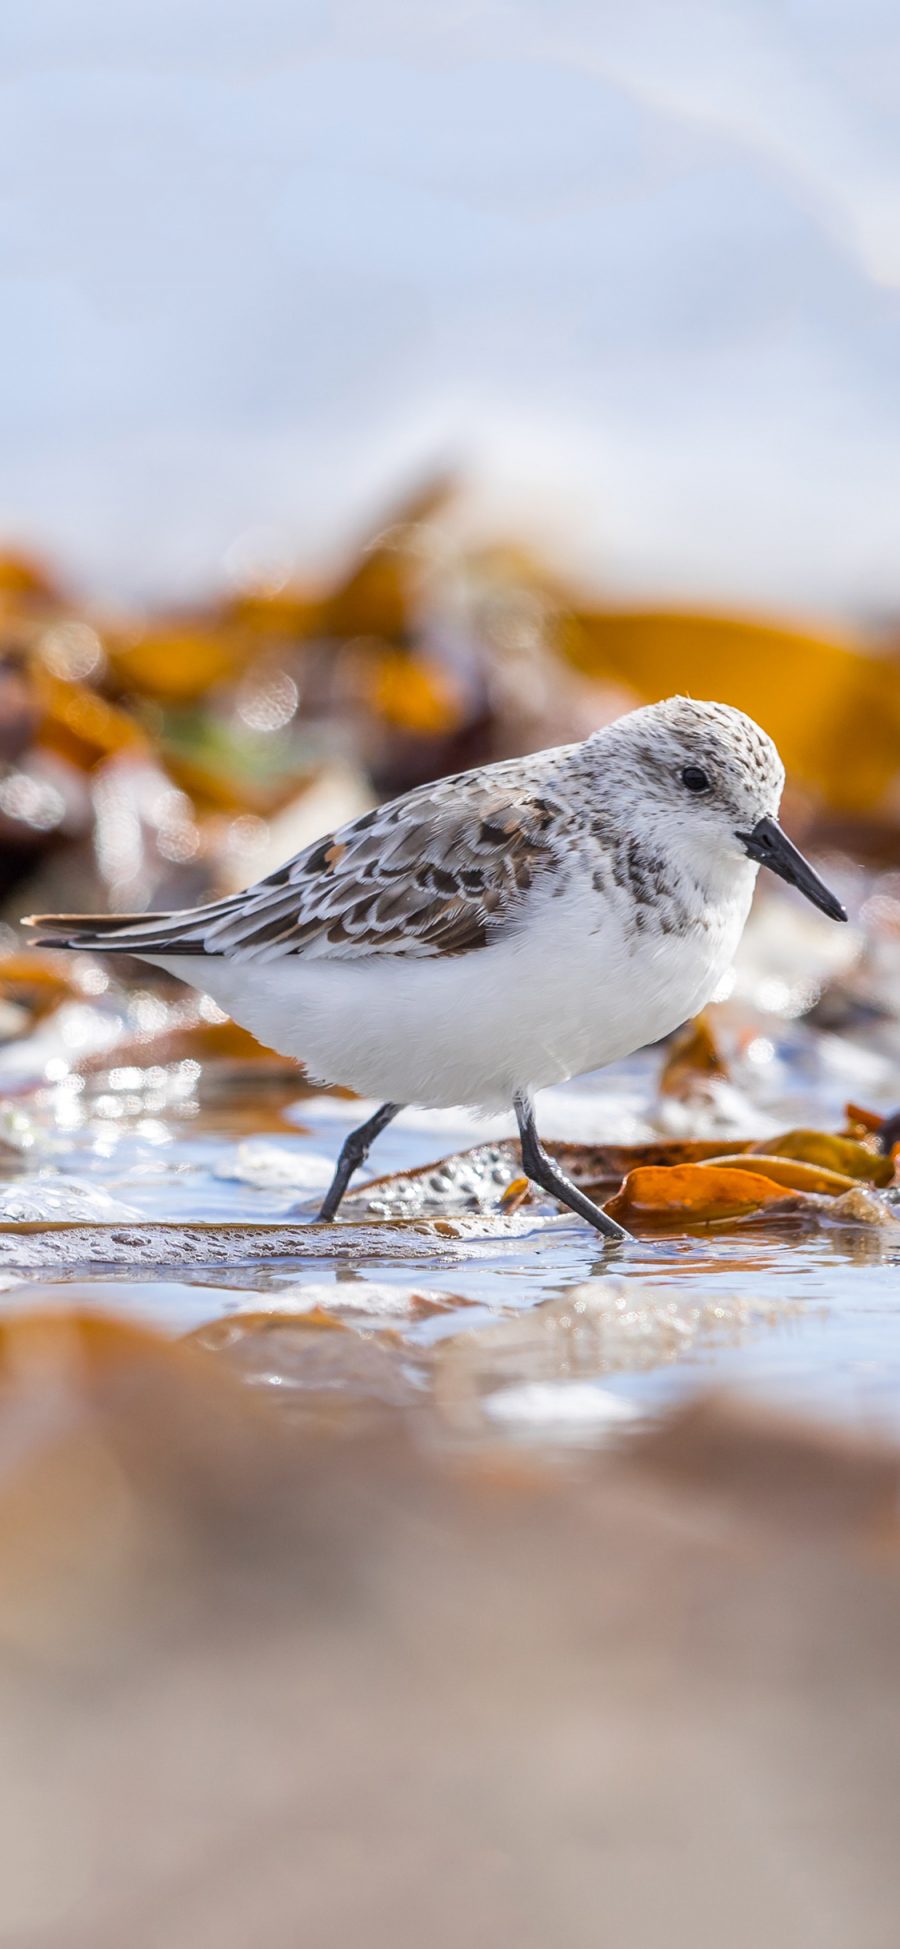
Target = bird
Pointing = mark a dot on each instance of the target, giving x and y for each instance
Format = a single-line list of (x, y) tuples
[(495, 932)]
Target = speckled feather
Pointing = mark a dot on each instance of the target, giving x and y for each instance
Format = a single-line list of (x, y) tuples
[(447, 867), (495, 932), (437, 872)]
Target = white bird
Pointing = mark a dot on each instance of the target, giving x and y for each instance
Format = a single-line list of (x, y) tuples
[(498, 931)]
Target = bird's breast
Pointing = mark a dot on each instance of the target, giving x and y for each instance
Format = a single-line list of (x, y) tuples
[(651, 955)]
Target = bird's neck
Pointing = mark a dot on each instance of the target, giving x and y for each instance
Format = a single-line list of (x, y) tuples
[(720, 882), (673, 890)]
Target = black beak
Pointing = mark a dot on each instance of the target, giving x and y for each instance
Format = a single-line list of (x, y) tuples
[(771, 847)]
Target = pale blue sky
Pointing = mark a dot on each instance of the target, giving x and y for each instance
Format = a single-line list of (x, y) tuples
[(637, 267)]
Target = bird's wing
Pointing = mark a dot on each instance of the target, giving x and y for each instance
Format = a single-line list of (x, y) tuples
[(442, 871)]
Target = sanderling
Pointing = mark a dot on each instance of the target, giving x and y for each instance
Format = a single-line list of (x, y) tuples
[(498, 931)]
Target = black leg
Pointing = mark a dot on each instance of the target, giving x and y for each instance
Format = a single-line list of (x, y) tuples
[(542, 1171), (354, 1153)]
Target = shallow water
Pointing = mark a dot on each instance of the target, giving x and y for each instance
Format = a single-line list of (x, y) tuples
[(802, 1317)]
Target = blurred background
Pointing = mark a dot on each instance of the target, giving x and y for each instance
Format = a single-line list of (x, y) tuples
[(632, 270), (386, 390)]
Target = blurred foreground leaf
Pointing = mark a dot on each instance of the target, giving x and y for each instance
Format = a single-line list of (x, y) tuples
[(691, 1060), (39, 981), (324, 1368), (376, 594), (411, 693), (23, 579), (80, 724), (177, 665)]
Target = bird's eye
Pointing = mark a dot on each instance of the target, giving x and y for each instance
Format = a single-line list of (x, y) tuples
[(695, 779)]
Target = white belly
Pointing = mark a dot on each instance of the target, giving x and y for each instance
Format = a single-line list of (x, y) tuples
[(475, 1029)]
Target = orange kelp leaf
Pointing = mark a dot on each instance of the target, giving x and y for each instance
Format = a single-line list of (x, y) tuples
[(692, 1057), (78, 1342), (289, 614), (516, 1194), (38, 980), (223, 1042), (179, 1041), (377, 594), (412, 693), (693, 1192), (81, 725), (832, 708), (792, 1172), (177, 665), (123, 1450), (377, 598), (842, 1155), (860, 1121), (24, 576)]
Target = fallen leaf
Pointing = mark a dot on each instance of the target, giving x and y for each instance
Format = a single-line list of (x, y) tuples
[(861, 1121), (290, 614), (81, 726), (23, 577), (844, 1155), (697, 1192), (377, 592), (516, 1194), (411, 692), (692, 1058), (791, 1172), (37, 980), (177, 664)]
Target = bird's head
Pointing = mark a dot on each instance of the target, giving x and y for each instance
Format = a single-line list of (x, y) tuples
[(706, 781)]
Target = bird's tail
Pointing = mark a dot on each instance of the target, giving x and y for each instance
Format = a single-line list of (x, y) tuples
[(115, 933)]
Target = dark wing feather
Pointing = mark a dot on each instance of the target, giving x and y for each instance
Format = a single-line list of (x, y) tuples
[(439, 872)]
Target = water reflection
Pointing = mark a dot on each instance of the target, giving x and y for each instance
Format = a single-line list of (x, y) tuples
[(512, 1330)]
